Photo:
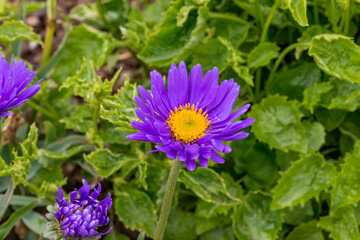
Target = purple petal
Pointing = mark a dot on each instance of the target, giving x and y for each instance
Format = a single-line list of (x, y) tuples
[(191, 165), (233, 116), (233, 137), (203, 162), (236, 126), (216, 157)]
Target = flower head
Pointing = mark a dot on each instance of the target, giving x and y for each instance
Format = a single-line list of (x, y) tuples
[(79, 217), (190, 118), (14, 78)]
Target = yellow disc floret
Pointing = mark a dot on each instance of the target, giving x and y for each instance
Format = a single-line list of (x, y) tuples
[(188, 124)]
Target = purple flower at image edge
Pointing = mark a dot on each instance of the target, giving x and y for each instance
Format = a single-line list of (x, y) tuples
[(14, 78), (79, 217), (190, 119)]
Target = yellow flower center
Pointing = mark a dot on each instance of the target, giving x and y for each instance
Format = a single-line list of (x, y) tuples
[(188, 124)]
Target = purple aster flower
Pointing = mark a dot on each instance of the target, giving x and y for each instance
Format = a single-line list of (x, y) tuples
[(79, 218), (190, 119), (14, 78)]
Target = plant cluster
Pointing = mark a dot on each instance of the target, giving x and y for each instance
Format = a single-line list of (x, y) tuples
[(296, 176)]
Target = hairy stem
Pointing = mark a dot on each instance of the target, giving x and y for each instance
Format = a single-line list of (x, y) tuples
[(168, 197)]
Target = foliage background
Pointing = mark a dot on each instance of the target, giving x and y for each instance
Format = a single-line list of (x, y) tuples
[(297, 176)]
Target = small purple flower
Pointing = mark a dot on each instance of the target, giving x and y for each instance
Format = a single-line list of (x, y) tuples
[(14, 78), (190, 118), (79, 218)]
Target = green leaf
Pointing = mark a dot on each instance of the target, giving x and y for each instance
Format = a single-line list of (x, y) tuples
[(170, 43), (343, 95), (304, 180), (312, 95), (298, 11), (184, 14), (299, 214), (341, 225), (257, 160), (11, 31), (308, 231), (235, 29), (337, 55), (119, 109), (209, 186), (6, 227), (210, 210), (156, 179), (35, 222), (262, 54), (204, 225), (114, 235), (135, 209), (210, 54), (234, 60), (5, 200), (113, 13), (83, 42), (223, 233), (181, 225), (292, 82), (307, 36), (210, 216), (107, 163), (347, 186), (255, 220), (315, 134), (19, 200), (330, 119), (278, 124)]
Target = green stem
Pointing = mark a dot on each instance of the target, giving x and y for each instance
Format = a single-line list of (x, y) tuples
[(168, 197), (259, 13), (268, 21), (257, 84), (42, 110), (94, 120), (347, 19), (251, 93), (282, 56), (333, 17), (316, 11), (50, 29)]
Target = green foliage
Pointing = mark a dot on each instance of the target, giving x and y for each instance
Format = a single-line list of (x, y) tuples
[(20, 166), (83, 42), (209, 186), (262, 54), (14, 30), (171, 42), (255, 220), (136, 210), (341, 224), (293, 188), (295, 176), (327, 48), (278, 123), (346, 190), (308, 231)]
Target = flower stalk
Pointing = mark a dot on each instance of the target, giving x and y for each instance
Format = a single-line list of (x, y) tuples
[(168, 197), (50, 29)]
